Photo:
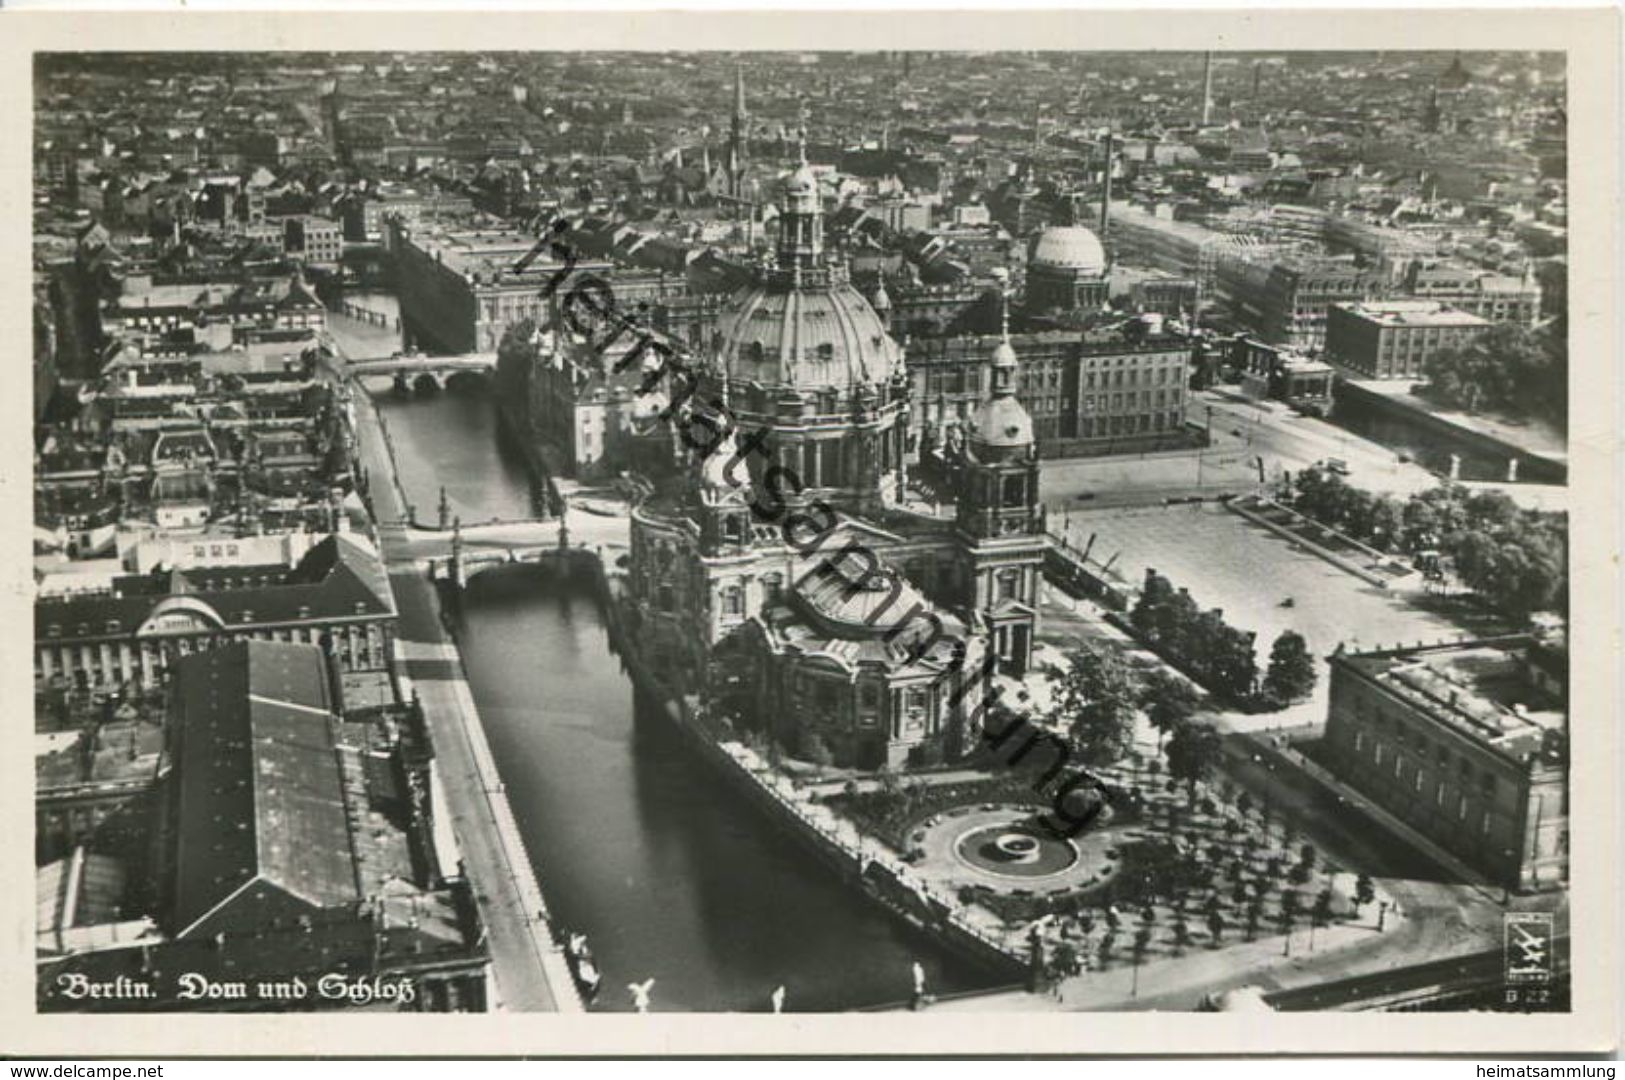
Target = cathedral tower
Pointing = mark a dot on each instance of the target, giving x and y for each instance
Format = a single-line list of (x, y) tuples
[(1000, 520)]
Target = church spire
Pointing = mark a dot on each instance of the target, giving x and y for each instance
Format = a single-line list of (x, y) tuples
[(1005, 363), (736, 137)]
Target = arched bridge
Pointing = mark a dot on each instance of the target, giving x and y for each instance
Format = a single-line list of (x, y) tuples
[(460, 566), (416, 370)]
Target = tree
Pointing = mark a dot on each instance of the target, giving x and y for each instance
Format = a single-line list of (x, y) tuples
[(1364, 892), (1255, 915), (1142, 942), (1232, 664), (1292, 672), (1148, 610), (1169, 702), (1192, 752), (1321, 914), (1507, 368), (1387, 531), (815, 750), (1095, 701)]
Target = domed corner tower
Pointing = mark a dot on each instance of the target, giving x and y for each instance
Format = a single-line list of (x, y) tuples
[(1067, 270), (1000, 520), (722, 495), (807, 360)]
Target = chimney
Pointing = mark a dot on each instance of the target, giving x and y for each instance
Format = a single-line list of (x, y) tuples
[(1207, 88), (1106, 190)]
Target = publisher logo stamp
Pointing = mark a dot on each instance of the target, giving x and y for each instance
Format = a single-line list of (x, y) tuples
[(1528, 947)]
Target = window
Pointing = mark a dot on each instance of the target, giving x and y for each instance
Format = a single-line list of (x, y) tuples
[(1416, 784), (1461, 809), (1438, 797), (1359, 741)]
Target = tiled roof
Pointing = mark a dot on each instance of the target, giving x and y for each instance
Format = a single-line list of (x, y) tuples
[(261, 791), (339, 578)]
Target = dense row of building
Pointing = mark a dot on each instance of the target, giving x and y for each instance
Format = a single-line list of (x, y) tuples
[(947, 286)]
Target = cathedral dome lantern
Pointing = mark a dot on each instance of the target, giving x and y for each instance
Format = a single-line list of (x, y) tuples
[(802, 324), (1001, 424)]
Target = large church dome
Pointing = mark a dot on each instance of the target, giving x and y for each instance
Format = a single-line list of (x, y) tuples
[(1068, 247), (821, 334)]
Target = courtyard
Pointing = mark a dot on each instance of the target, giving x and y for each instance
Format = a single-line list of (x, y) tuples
[(1250, 573)]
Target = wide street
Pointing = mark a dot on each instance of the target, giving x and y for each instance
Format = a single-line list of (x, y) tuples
[(522, 952), (1243, 431)]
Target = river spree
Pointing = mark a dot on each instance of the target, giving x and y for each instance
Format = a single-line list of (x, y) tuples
[(636, 843)]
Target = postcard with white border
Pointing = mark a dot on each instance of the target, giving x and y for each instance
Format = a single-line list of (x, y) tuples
[(608, 524)]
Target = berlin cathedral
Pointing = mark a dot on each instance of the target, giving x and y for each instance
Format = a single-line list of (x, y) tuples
[(782, 560)]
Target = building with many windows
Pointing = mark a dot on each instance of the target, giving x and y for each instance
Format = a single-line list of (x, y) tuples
[(1467, 743), (459, 291), (1284, 301), (1115, 389), (1492, 296), (131, 630), (1270, 371), (1395, 339)]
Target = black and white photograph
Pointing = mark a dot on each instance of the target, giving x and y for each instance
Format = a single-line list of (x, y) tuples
[(926, 531)]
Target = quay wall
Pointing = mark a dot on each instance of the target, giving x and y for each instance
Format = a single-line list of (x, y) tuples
[(880, 876)]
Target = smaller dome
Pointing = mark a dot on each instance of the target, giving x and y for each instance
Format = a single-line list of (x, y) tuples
[(801, 191), (803, 181), (1068, 247), (1001, 422), (1005, 354)]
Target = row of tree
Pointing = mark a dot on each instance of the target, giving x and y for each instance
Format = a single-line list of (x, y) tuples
[(1215, 653), (1516, 559), (1507, 369)]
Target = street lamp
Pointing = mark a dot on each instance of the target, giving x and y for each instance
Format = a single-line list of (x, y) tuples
[(1382, 915)]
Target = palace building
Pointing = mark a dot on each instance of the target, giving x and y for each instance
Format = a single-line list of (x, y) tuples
[(783, 543)]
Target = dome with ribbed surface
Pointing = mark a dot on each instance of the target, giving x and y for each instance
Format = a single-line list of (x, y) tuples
[(811, 337), (1002, 423), (1068, 247)]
